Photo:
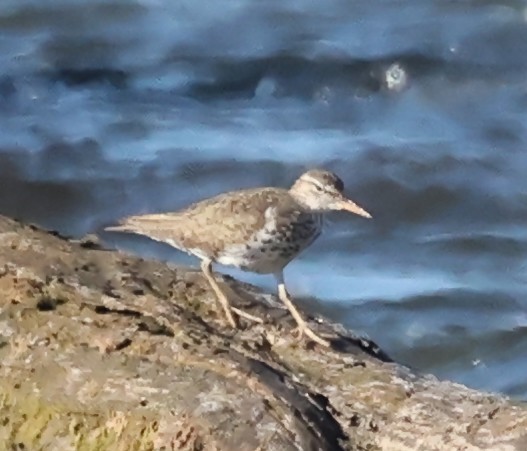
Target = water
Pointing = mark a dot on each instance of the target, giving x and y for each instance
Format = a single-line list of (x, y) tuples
[(421, 107)]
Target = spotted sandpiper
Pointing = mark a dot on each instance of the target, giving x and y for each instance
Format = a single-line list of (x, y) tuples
[(259, 230)]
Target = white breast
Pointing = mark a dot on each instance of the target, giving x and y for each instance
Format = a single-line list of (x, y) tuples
[(264, 253)]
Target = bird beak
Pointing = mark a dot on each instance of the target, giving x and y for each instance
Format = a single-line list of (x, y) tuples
[(352, 207)]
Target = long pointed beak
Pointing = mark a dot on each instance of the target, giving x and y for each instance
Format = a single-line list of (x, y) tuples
[(352, 207)]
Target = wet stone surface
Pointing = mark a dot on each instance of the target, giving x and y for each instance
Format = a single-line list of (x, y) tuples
[(102, 349)]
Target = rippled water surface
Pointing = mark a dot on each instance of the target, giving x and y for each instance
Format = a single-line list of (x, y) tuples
[(108, 109)]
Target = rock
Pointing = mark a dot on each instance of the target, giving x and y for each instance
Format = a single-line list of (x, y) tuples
[(103, 350)]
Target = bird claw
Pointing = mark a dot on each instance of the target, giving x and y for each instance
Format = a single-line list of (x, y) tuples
[(247, 316), (299, 332), (231, 320)]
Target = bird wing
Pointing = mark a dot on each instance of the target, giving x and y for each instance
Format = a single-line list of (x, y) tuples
[(215, 223)]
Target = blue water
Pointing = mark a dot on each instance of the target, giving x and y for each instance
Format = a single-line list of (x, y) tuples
[(421, 107)]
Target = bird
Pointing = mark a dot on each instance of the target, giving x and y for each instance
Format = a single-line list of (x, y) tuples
[(260, 230)]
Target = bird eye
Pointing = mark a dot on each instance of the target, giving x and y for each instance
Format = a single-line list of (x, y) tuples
[(318, 188)]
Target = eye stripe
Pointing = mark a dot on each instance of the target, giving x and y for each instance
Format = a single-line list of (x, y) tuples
[(324, 180), (314, 182)]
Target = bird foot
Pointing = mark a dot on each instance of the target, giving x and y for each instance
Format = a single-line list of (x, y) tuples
[(246, 315), (300, 331), (230, 318)]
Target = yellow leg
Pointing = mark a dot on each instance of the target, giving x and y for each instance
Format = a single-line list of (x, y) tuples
[(302, 325), (246, 315), (206, 267)]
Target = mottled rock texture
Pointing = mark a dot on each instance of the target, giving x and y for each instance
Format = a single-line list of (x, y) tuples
[(102, 350)]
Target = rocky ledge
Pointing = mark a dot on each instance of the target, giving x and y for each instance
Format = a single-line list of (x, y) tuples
[(106, 351)]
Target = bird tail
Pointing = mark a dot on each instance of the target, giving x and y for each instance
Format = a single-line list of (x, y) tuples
[(136, 224), (119, 228), (123, 227), (157, 227)]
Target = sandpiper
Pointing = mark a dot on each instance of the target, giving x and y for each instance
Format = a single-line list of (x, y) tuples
[(259, 230)]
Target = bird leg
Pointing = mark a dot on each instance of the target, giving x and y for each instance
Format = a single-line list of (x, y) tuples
[(246, 315), (303, 328), (231, 294), (206, 267)]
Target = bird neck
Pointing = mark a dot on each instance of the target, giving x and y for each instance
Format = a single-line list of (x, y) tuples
[(304, 200)]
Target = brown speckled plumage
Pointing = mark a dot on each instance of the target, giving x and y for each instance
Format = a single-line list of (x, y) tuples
[(259, 230), (227, 220)]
